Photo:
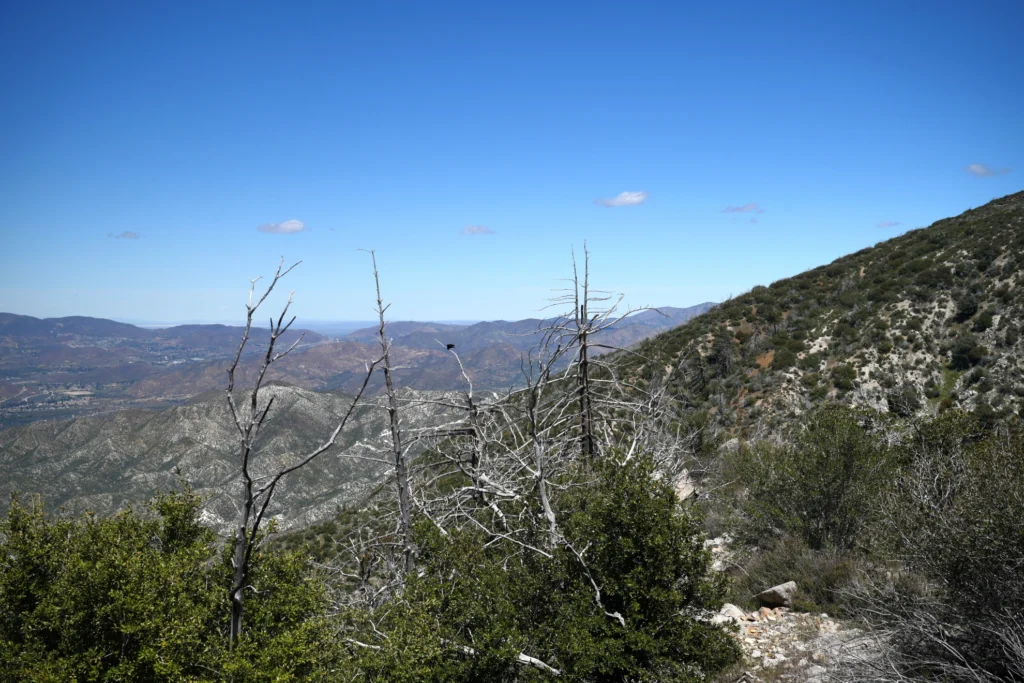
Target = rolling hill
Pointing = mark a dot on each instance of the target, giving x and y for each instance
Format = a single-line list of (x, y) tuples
[(102, 463)]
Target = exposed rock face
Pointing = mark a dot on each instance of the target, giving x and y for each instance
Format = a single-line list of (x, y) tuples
[(777, 596)]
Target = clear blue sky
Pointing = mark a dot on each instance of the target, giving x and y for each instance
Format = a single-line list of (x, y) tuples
[(144, 144)]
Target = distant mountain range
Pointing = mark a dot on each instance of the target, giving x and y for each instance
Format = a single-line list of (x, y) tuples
[(120, 456), (57, 368)]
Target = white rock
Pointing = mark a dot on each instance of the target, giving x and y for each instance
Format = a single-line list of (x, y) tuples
[(732, 612)]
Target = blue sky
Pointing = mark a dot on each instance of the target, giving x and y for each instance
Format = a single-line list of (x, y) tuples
[(144, 145)]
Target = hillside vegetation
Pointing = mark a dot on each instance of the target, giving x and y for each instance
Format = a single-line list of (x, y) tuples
[(926, 321)]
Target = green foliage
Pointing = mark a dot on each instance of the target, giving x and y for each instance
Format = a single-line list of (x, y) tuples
[(142, 597), (784, 358), (983, 321), (843, 376), (500, 598), (966, 307), (817, 488), (903, 401), (965, 352), (960, 489), (821, 576)]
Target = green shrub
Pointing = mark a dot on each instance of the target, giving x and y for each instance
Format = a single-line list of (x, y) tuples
[(644, 552), (139, 597), (822, 576), (843, 376), (817, 488), (960, 489), (903, 401), (982, 321), (784, 358), (965, 352)]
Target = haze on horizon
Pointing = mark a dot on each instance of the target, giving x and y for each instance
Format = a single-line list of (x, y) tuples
[(156, 158)]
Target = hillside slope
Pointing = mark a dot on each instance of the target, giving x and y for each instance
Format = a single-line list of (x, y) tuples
[(102, 463), (926, 321)]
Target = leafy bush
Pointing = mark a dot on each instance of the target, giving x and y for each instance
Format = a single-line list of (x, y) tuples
[(784, 358), (142, 597), (965, 352), (966, 307), (818, 488), (983, 321), (843, 376), (903, 401), (960, 489), (642, 551), (822, 576)]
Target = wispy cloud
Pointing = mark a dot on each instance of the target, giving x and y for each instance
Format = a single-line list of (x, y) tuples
[(753, 220), (623, 199), (283, 228), (126, 235), (888, 224), (477, 230), (983, 171), (746, 208)]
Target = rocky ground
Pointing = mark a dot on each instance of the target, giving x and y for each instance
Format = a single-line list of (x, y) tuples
[(782, 645)]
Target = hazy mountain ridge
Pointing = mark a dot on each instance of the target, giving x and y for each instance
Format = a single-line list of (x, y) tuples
[(62, 367)]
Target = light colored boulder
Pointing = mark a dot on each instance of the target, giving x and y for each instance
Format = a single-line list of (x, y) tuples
[(778, 596), (729, 614), (684, 486)]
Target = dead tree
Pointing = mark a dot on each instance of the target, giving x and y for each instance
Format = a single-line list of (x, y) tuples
[(249, 417), (503, 462), (401, 464)]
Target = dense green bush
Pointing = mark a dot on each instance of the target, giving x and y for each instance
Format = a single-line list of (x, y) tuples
[(817, 488), (143, 597), (502, 598), (822, 576), (965, 352), (843, 376)]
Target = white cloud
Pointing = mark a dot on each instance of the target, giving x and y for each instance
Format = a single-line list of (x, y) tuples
[(126, 235), (983, 171), (477, 230), (624, 199), (888, 224), (746, 208), (283, 228)]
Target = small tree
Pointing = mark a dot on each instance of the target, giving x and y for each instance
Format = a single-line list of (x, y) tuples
[(249, 417)]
